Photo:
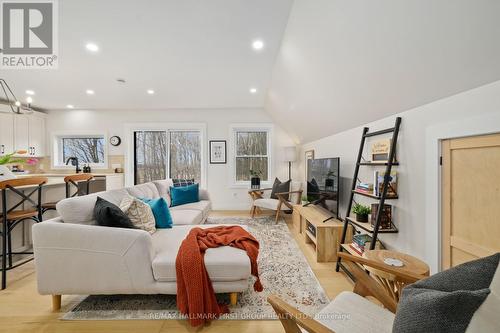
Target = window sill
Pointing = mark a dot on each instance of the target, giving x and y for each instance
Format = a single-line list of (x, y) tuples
[(247, 186)]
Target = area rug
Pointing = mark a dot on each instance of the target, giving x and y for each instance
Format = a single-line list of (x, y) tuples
[(284, 271)]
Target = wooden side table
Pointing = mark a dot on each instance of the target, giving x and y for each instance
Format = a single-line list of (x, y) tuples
[(389, 281)]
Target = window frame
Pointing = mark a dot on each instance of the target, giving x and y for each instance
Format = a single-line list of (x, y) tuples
[(168, 128), (57, 149), (258, 127)]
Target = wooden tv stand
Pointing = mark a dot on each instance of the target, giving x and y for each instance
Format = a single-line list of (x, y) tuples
[(324, 236)]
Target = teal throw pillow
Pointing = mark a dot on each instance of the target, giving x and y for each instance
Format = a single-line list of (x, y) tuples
[(185, 194), (159, 206)]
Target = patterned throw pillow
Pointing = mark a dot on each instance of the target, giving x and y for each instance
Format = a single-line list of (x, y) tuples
[(183, 182), (139, 213)]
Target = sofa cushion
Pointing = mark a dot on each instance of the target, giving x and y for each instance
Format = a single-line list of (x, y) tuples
[(269, 204), (223, 263), (184, 194), (486, 318), (80, 210), (280, 187), (186, 216), (146, 190), (163, 187), (352, 313), (162, 216), (107, 214), (430, 305), (202, 205), (139, 213)]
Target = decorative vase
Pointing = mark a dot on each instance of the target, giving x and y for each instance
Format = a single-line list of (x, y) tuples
[(362, 217), (255, 183), (5, 173)]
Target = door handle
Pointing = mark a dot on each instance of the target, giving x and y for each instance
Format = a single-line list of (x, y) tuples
[(3, 149)]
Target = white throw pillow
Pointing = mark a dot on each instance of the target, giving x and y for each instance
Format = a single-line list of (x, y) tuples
[(139, 213)]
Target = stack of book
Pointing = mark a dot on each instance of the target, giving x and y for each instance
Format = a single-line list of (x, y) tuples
[(365, 188), (361, 242)]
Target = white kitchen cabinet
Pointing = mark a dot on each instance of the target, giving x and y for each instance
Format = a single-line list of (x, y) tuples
[(6, 133), (36, 135), (29, 134)]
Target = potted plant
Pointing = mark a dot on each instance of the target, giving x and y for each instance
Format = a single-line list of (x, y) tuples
[(255, 179), (361, 212), (5, 173)]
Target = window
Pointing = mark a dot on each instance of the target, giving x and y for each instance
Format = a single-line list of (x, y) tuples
[(89, 149), (176, 153), (251, 152)]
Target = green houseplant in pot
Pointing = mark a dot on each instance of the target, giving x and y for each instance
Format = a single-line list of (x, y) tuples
[(361, 212), (5, 173)]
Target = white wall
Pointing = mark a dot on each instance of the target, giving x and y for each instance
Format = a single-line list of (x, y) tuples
[(217, 121), (417, 211)]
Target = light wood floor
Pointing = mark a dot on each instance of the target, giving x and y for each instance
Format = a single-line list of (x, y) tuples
[(22, 309)]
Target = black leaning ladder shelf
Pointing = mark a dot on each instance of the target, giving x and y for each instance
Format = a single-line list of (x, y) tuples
[(383, 196)]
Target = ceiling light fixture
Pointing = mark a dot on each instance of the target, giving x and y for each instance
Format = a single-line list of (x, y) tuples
[(70, 106), (258, 44), (30, 92), (253, 91), (90, 92), (150, 91), (92, 47)]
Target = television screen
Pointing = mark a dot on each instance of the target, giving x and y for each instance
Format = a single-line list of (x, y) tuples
[(323, 183)]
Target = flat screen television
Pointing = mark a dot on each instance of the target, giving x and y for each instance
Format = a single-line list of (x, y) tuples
[(323, 183)]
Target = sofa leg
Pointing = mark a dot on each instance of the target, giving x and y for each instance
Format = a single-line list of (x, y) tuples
[(56, 302), (234, 298)]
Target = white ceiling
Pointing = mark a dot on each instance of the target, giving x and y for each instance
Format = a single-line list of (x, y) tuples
[(193, 53), (346, 63)]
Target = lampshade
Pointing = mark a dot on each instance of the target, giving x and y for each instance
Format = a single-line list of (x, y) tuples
[(290, 154)]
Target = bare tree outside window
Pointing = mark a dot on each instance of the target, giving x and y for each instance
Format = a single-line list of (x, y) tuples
[(251, 154), (185, 155), (152, 147), (86, 149), (150, 156)]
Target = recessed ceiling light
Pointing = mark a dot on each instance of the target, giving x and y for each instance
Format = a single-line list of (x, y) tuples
[(90, 92), (30, 92), (29, 100), (70, 106), (258, 44), (253, 90), (92, 47), (151, 91)]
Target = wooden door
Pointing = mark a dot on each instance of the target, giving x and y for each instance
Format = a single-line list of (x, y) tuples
[(470, 199)]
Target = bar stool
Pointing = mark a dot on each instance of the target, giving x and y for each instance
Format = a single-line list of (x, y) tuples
[(71, 180), (11, 217)]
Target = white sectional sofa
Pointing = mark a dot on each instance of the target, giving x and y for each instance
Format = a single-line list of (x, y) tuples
[(73, 256)]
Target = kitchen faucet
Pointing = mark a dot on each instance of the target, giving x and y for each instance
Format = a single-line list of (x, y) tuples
[(74, 162)]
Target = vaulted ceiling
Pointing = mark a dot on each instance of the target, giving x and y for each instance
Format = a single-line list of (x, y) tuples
[(346, 63)]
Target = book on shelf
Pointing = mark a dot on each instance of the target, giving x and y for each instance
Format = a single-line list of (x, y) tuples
[(356, 249), (385, 218)]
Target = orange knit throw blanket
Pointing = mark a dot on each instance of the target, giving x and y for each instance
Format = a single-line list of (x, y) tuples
[(195, 293)]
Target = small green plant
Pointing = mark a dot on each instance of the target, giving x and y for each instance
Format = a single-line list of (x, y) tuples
[(359, 209), (255, 173), (304, 198)]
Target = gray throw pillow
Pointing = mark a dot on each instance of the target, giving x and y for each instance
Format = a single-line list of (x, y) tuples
[(279, 187), (446, 301)]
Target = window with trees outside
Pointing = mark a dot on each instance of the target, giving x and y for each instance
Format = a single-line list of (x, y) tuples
[(251, 153), (89, 149), (167, 154)]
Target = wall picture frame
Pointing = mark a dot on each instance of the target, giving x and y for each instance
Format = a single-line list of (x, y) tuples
[(218, 151)]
